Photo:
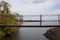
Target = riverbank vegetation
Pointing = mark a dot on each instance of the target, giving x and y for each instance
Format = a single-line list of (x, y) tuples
[(7, 18)]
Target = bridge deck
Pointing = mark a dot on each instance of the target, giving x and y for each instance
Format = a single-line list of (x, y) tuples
[(30, 26)]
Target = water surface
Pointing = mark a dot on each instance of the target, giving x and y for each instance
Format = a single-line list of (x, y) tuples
[(30, 33)]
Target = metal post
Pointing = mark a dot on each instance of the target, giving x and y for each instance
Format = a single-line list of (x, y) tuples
[(40, 20), (21, 20), (58, 19)]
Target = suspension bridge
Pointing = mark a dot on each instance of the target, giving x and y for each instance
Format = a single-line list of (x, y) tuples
[(37, 21)]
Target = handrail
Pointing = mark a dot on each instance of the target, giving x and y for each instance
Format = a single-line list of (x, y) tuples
[(40, 20)]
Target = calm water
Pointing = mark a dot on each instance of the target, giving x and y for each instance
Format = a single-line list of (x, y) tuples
[(30, 34), (26, 33)]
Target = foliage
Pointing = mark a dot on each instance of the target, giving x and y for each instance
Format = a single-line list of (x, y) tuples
[(7, 18)]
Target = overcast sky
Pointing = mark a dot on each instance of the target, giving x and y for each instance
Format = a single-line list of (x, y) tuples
[(35, 7)]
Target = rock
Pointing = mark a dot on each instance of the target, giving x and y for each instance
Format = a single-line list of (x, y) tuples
[(53, 34)]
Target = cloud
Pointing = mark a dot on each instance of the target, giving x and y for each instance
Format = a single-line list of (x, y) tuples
[(38, 1), (35, 7), (47, 7), (31, 1), (55, 6)]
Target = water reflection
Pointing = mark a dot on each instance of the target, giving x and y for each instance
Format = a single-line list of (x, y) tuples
[(29, 34)]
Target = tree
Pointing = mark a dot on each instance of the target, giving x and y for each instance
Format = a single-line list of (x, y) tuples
[(6, 6), (7, 19)]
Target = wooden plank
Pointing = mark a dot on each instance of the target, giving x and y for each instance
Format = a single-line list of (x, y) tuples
[(29, 26)]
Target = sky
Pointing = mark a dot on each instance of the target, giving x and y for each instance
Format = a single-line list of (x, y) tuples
[(35, 7)]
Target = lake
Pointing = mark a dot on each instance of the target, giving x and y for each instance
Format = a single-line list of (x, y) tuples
[(30, 33), (34, 33)]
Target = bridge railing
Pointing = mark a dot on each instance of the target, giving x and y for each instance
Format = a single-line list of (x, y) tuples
[(37, 21)]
